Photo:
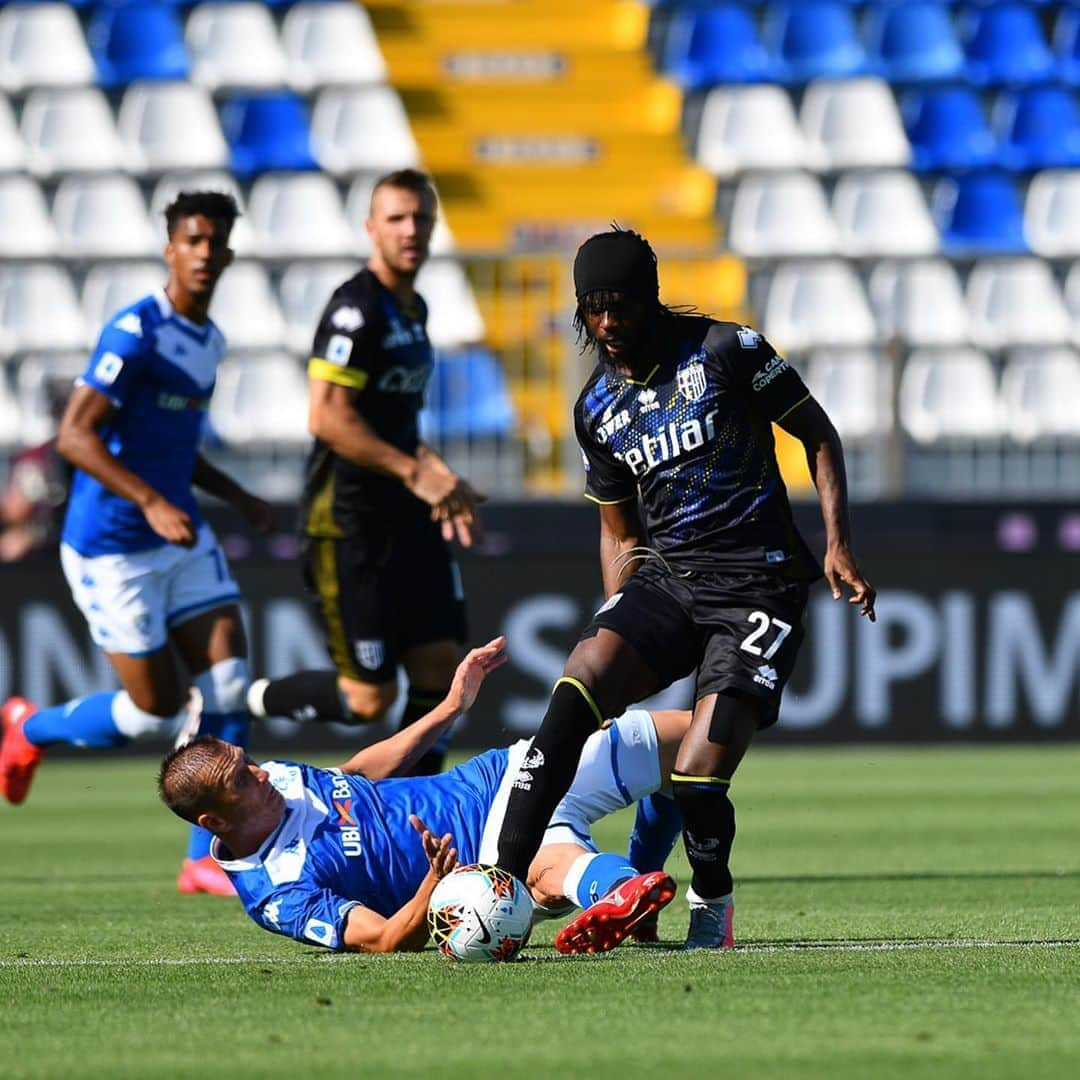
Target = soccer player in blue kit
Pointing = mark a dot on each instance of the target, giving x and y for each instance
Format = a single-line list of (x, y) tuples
[(331, 856), (144, 568)]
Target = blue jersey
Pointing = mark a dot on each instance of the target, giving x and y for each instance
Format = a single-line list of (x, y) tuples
[(345, 841), (158, 370)]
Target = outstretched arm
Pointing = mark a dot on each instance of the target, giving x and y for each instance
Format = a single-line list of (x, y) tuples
[(825, 457), (395, 754)]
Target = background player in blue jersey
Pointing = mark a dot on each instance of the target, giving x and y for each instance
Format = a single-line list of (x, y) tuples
[(144, 568), (678, 414), (332, 856)]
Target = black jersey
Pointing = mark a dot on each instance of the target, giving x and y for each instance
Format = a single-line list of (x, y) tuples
[(694, 438), (367, 342)]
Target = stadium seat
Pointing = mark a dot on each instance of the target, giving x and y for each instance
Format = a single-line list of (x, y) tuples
[(914, 42), (267, 131), (242, 240), (69, 130), (852, 386), (42, 45), (1072, 300), (781, 214), (454, 319), (1038, 128), (1015, 302), (1040, 389), (852, 123), (1067, 44), (1052, 213), (331, 44), (235, 45), (817, 303), (947, 129), (357, 209), (26, 230), (1005, 46), (39, 310), (37, 379), (882, 213), (921, 302), (298, 216), (104, 217), (12, 153), (949, 395), (749, 127), (114, 285), (168, 126), (813, 39), (10, 415), (246, 308), (716, 45), (978, 214), (139, 39), (260, 399), (362, 129), (467, 397), (304, 291)]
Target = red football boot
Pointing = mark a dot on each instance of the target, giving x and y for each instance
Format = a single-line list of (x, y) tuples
[(19, 758), (605, 924), (204, 876)]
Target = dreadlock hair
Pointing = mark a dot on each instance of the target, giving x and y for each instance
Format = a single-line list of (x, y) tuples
[(180, 778), (216, 205)]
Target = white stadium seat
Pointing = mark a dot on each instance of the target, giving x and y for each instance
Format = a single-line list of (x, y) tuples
[(242, 240), (261, 399), (921, 302), (949, 395), (852, 386), (37, 378), (10, 414), (304, 290), (69, 131), (246, 309), (815, 304), (42, 45), (1015, 302), (781, 214), (1052, 213), (298, 215), (1040, 394), (358, 207), (749, 127), (109, 287), (39, 309), (852, 124), (882, 213), (26, 230), (104, 217), (331, 44), (234, 45), (12, 152), (362, 129), (454, 318), (170, 126)]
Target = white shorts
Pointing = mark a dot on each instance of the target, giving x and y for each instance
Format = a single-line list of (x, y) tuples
[(130, 602), (619, 765)]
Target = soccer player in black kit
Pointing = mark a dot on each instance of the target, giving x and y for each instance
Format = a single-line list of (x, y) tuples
[(677, 414), (379, 506)]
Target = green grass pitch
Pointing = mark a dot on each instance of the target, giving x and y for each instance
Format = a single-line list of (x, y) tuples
[(899, 914)]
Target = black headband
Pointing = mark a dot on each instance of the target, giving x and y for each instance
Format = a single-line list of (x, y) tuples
[(619, 262)]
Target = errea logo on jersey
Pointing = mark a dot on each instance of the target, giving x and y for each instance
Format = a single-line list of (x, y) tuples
[(766, 676), (647, 401)]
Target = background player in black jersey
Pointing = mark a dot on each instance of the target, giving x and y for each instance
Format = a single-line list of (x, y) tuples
[(678, 413), (379, 506)]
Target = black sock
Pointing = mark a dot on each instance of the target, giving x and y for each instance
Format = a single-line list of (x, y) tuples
[(307, 695), (419, 703), (708, 830), (546, 774)]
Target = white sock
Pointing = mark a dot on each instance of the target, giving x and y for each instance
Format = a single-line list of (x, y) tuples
[(694, 900)]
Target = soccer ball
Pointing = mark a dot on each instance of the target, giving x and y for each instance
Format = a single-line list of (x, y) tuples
[(480, 914)]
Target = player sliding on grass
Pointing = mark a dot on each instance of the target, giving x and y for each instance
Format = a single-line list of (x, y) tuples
[(332, 856)]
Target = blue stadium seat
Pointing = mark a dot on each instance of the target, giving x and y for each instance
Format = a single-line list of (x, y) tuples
[(979, 213), (1005, 46), (139, 40), (914, 42), (947, 129), (1067, 44), (267, 131), (1038, 128), (814, 39), (717, 45), (468, 396)]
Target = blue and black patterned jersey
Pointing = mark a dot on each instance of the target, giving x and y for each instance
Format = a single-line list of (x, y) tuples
[(694, 438)]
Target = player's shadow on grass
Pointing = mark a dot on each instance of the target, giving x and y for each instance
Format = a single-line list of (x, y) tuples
[(914, 875)]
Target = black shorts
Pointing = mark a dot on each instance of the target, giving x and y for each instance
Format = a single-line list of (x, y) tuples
[(741, 631), (380, 595)]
